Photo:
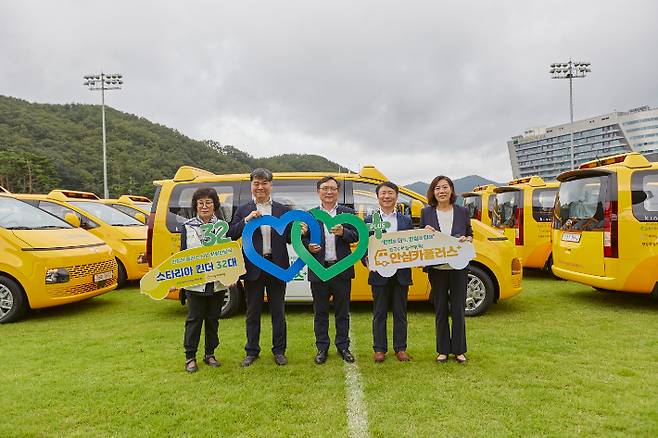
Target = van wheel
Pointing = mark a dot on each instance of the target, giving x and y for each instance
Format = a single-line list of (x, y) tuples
[(233, 300), (479, 291), (122, 278), (13, 302)]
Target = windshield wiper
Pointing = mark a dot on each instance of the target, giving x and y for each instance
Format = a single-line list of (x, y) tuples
[(18, 228), (48, 227)]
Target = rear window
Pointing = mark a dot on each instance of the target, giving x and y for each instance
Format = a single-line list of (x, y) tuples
[(180, 203), (579, 204), (645, 195), (504, 208), (543, 201), (473, 204)]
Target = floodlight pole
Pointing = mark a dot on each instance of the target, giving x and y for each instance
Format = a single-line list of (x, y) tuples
[(104, 82), (570, 70)]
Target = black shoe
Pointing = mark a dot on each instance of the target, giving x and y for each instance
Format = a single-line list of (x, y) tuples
[(247, 361), (321, 357), (191, 366), (212, 361), (280, 359), (346, 355)]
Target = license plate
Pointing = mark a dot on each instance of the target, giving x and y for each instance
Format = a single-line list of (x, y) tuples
[(103, 276), (571, 237)]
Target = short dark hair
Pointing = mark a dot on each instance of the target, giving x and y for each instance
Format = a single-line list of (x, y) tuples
[(431, 198), (389, 185), (324, 179), (260, 173), (207, 192)]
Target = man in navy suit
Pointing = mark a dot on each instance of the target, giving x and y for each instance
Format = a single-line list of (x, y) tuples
[(335, 246), (392, 289), (272, 247)]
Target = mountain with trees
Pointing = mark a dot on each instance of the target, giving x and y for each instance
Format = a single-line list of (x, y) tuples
[(465, 184), (46, 146)]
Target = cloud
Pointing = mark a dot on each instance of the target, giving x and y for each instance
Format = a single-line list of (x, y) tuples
[(416, 88)]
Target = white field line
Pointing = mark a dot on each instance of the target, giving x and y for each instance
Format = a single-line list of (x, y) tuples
[(357, 414)]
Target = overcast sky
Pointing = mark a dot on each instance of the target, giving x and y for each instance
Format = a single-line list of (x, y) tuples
[(417, 88)]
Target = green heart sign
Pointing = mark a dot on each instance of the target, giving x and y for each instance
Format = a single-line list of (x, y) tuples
[(344, 218)]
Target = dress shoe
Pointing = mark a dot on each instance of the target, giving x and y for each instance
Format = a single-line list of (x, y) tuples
[(191, 366), (461, 359), (210, 360), (280, 359), (403, 356), (247, 361), (442, 358), (380, 356), (321, 357), (346, 355)]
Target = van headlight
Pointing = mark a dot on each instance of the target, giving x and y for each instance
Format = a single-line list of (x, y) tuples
[(141, 258), (57, 275)]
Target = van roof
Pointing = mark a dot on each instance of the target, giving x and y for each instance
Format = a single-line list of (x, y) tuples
[(532, 181), (630, 160), (479, 190)]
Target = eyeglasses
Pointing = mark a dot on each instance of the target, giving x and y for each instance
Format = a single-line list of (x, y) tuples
[(205, 204), (329, 189)]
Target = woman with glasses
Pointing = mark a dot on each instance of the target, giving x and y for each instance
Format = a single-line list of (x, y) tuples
[(448, 284), (204, 302)]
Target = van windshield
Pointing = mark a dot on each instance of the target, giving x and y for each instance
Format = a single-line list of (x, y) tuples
[(473, 204), (109, 215), (19, 215), (504, 208), (579, 204)]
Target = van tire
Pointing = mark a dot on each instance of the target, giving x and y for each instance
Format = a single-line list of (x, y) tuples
[(14, 301), (122, 277), (233, 300), (480, 291)]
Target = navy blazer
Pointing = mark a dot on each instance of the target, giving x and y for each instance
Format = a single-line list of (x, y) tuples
[(278, 242), (461, 221), (403, 275), (343, 249)]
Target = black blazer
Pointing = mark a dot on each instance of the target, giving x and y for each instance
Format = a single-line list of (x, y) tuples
[(278, 242), (403, 275), (342, 247), (461, 221)]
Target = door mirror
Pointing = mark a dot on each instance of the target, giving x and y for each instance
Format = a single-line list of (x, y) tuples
[(72, 219), (140, 217)]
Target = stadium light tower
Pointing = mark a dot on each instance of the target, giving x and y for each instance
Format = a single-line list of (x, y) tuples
[(570, 70), (104, 82)]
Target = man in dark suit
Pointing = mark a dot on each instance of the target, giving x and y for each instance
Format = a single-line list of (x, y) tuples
[(271, 246), (335, 246), (392, 289)]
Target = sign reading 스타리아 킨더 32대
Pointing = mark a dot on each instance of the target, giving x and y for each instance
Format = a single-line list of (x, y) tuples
[(412, 248), (219, 259)]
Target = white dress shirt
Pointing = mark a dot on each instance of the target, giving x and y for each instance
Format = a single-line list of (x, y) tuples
[(265, 230), (329, 238), (391, 219)]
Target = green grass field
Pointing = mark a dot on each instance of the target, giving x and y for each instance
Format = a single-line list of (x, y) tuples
[(559, 359)]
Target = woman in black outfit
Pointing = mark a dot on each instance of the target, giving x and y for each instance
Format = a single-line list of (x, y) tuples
[(448, 284), (205, 301)]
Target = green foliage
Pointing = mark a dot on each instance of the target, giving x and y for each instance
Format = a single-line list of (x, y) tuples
[(43, 146)]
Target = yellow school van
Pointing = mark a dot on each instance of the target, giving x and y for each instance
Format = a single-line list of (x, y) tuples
[(523, 210), (605, 231), (480, 202), (494, 274), (44, 261), (124, 234)]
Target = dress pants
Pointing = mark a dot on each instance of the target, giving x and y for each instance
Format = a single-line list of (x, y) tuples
[(449, 292), (322, 290), (276, 291), (396, 294), (200, 309)]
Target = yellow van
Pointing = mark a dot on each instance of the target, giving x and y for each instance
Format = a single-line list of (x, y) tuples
[(495, 273), (44, 261), (125, 235), (480, 202), (523, 210), (605, 231)]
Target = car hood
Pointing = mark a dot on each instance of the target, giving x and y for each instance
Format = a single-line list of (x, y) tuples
[(57, 238)]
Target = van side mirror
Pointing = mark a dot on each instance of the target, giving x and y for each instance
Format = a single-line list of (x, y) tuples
[(72, 220), (140, 217)]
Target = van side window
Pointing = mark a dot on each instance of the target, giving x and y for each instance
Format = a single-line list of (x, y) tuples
[(180, 202), (644, 186), (60, 211), (365, 199), (299, 194), (542, 204), (472, 204)]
